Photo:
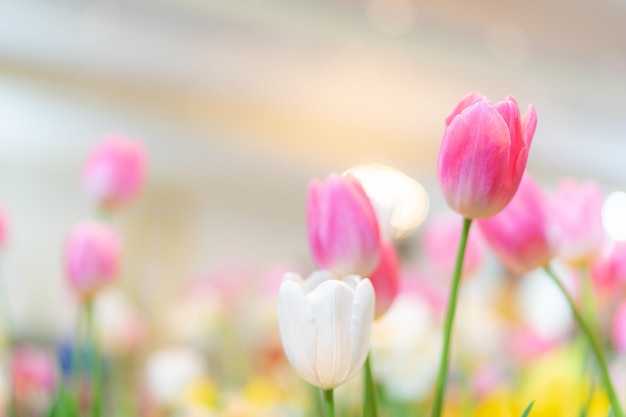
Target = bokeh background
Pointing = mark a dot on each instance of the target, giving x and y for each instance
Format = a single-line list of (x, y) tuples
[(241, 102)]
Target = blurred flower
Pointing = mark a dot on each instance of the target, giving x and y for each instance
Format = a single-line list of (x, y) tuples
[(406, 345), (122, 329), (92, 255), (483, 154), (385, 278), (33, 377), (342, 226), (115, 170), (169, 373), (519, 234), (325, 325), (608, 270), (577, 213), (201, 394), (4, 227), (619, 328), (441, 234)]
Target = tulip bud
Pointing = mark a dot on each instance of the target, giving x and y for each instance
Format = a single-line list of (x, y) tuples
[(325, 325), (483, 154), (115, 171), (342, 226), (385, 278), (519, 234), (91, 257), (577, 212)]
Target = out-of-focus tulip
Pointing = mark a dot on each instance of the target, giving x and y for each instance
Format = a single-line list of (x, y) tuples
[(520, 234), (33, 377), (325, 325), (441, 236), (343, 230), (115, 170), (4, 228), (483, 154), (92, 256), (121, 328), (576, 209), (385, 278), (619, 328), (608, 270)]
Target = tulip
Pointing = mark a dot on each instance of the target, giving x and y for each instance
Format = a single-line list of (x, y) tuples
[(91, 257), (4, 228), (385, 278), (608, 270), (325, 325), (519, 234), (577, 212), (441, 234), (619, 328), (114, 171), (33, 377), (343, 230), (483, 154)]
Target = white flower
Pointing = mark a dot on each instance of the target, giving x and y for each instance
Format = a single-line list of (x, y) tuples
[(325, 325)]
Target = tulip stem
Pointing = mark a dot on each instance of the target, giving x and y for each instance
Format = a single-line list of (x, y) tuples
[(595, 345), (442, 375), (370, 401), (329, 402)]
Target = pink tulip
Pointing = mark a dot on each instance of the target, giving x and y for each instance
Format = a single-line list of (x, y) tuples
[(4, 228), (33, 375), (619, 328), (577, 212), (608, 270), (441, 235), (483, 154), (115, 170), (342, 226), (385, 278), (91, 257), (519, 234)]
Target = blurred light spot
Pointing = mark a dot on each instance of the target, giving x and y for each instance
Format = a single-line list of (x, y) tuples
[(509, 44), (401, 203), (392, 17), (614, 215), (99, 20)]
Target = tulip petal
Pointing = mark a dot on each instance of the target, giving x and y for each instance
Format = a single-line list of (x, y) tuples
[(331, 305), (474, 159), (298, 330), (464, 103), (529, 123), (361, 324)]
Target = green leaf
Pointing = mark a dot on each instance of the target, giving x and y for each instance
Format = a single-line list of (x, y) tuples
[(527, 410)]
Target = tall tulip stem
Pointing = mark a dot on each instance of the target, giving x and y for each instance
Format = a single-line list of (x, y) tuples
[(595, 346), (449, 320), (329, 402), (370, 400)]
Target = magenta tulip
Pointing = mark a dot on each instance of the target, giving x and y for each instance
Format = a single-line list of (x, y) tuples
[(342, 226), (519, 234), (483, 154), (91, 257), (385, 278), (577, 213), (115, 171), (608, 270)]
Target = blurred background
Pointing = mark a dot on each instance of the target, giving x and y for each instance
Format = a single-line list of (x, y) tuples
[(240, 103)]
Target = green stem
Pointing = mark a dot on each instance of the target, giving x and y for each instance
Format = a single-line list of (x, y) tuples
[(370, 400), (95, 368), (595, 346), (329, 402), (449, 320)]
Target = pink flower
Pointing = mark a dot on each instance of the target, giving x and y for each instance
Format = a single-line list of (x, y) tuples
[(441, 236), (483, 154), (519, 234), (115, 170), (608, 270), (4, 228), (33, 375), (385, 278), (91, 257), (577, 212), (342, 227), (619, 328)]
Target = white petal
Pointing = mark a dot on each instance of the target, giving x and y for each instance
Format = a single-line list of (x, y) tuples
[(298, 330), (352, 281), (361, 324), (331, 304), (315, 279)]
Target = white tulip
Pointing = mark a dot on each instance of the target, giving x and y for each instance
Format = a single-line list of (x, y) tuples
[(325, 325)]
